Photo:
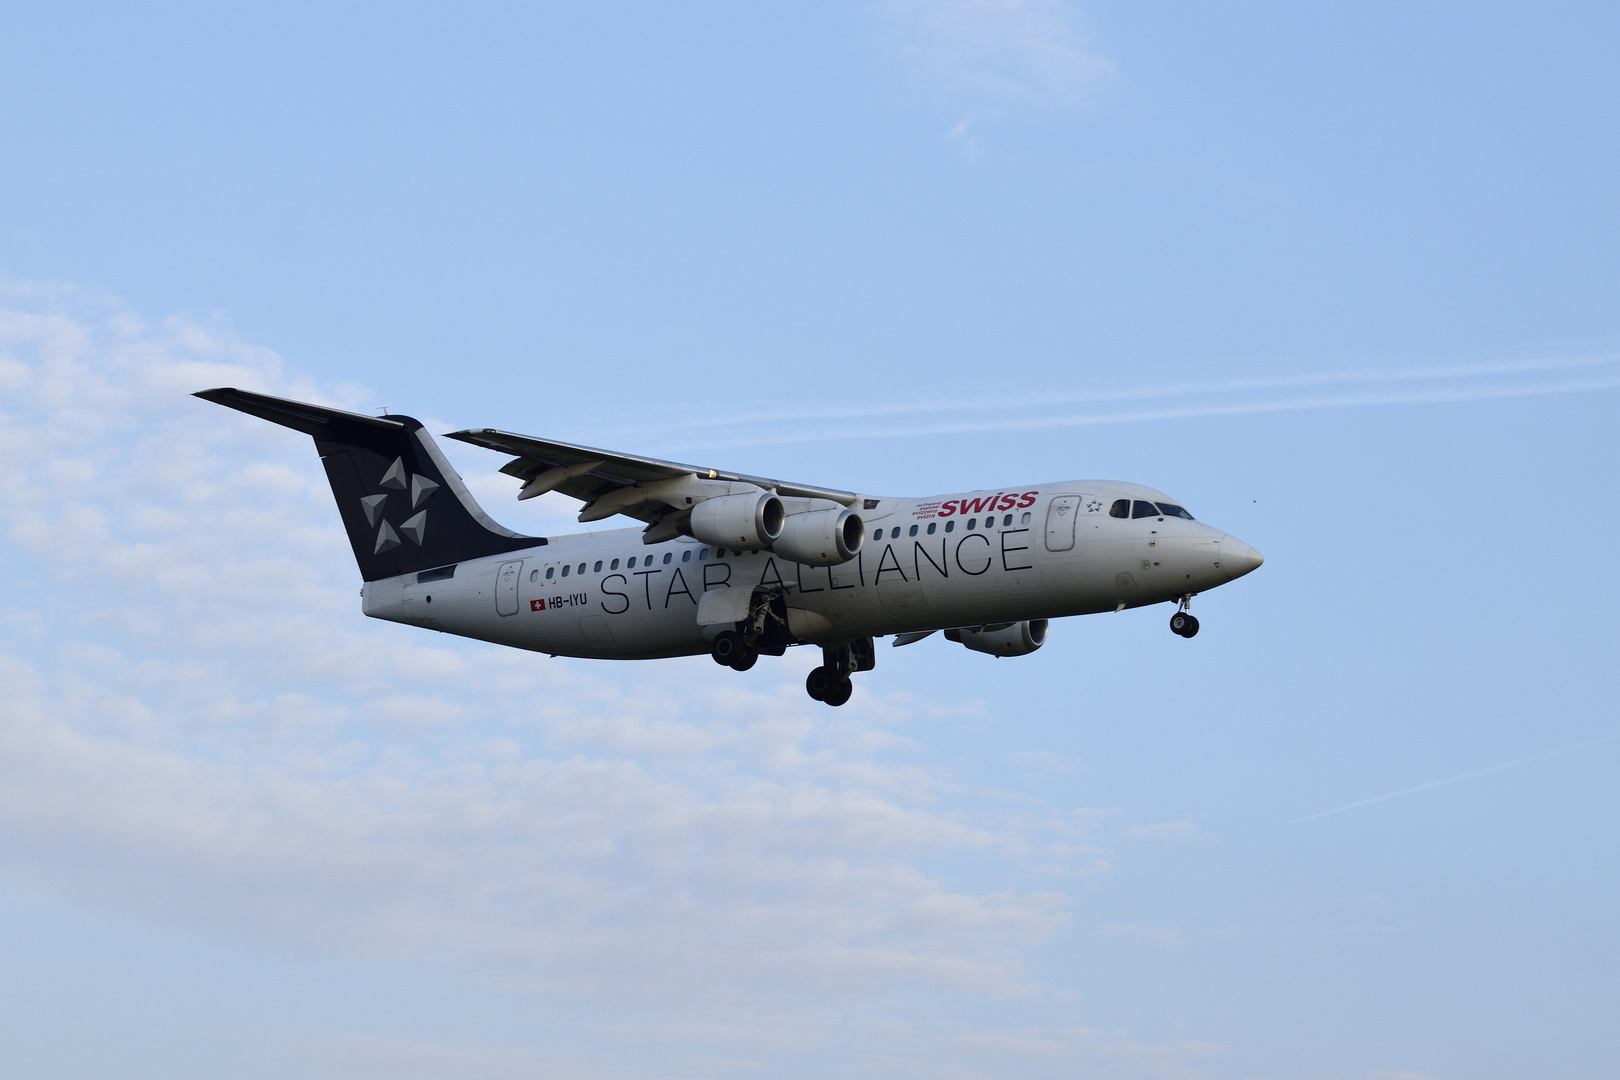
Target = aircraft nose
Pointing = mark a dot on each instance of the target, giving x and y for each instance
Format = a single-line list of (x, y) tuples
[(1238, 558)]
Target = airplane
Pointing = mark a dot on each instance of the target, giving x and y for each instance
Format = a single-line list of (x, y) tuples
[(740, 566)]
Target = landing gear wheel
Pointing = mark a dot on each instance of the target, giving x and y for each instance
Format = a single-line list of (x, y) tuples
[(745, 661), (839, 692), (1183, 624), (818, 682), (728, 646)]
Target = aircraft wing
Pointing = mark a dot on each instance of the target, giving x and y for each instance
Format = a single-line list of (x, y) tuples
[(590, 475)]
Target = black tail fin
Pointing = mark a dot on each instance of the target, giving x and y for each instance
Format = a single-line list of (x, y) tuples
[(403, 505)]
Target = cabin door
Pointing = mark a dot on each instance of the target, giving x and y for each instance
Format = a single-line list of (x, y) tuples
[(506, 587), (1060, 515)]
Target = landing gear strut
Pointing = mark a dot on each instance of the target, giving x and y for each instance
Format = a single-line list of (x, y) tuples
[(830, 682), (1183, 622)]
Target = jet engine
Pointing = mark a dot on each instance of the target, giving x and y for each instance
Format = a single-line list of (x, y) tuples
[(1003, 639), (747, 522), (821, 537)]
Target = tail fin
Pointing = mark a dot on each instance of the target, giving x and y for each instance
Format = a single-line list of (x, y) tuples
[(404, 507)]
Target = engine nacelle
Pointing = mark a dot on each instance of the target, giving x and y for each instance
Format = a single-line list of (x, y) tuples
[(1005, 639), (821, 537), (747, 522)]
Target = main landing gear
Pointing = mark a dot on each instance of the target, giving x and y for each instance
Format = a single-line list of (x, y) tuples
[(1182, 622), (830, 683), (829, 686), (730, 650)]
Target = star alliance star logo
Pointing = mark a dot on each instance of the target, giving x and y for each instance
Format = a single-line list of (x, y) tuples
[(413, 528)]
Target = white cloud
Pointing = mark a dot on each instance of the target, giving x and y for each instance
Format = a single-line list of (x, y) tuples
[(1152, 934), (993, 58), (1043, 761), (1165, 832), (199, 725)]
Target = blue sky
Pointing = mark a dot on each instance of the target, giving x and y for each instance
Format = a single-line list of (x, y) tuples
[(1343, 282)]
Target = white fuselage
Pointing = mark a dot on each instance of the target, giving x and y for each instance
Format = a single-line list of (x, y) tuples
[(1037, 552)]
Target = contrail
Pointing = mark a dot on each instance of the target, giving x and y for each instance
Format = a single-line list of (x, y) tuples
[(1029, 423), (1454, 779), (970, 403)]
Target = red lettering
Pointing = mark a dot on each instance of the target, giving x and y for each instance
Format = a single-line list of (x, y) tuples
[(988, 503)]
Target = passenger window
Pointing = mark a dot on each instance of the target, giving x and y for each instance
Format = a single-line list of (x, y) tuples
[(534, 574), (973, 523), (582, 568), (668, 555), (686, 556), (597, 569), (930, 528), (565, 571), (703, 553), (1144, 509), (990, 522), (1025, 519), (1172, 510), (550, 570), (632, 563), (914, 530), (950, 526), (614, 565), (1007, 521), (1120, 509)]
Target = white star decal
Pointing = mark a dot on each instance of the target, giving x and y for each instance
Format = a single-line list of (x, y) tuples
[(413, 528), (395, 476), (421, 488), (386, 538), (373, 504)]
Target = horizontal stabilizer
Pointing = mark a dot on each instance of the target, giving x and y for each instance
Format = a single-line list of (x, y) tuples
[(316, 420)]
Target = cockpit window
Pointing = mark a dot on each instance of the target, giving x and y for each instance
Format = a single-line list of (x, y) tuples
[(1120, 509), (1144, 509), (1172, 510)]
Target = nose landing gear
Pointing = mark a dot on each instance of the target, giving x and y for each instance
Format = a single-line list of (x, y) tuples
[(1183, 622)]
